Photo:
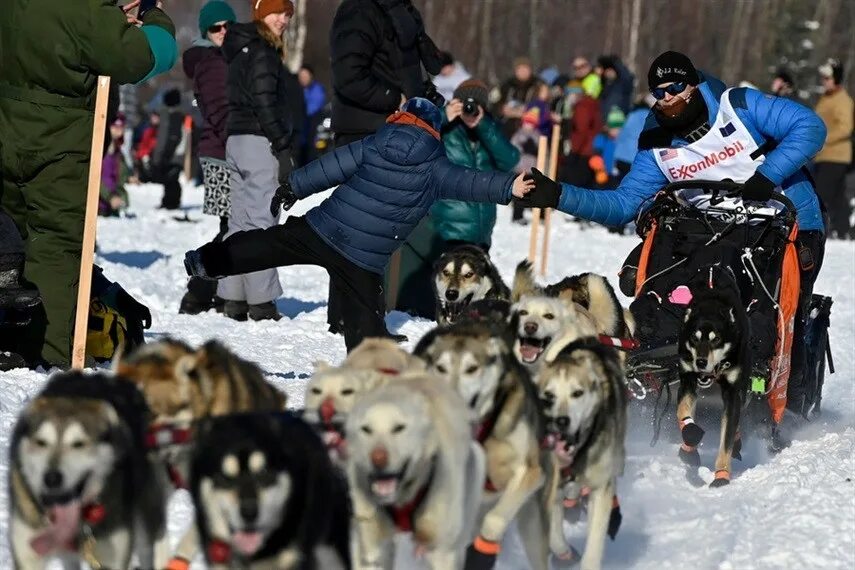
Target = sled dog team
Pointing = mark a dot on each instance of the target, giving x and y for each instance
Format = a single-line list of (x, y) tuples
[(513, 409)]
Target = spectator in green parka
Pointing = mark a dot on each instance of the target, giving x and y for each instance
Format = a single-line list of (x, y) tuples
[(51, 54), (472, 139)]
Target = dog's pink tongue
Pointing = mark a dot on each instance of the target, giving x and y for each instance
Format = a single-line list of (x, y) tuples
[(682, 295), (247, 543), (61, 531), (529, 353)]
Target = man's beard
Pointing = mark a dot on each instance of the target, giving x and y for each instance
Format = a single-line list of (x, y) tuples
[(683, 114)]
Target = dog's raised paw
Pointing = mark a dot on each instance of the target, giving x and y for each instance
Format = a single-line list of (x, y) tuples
[(692, 434), (719, 483)]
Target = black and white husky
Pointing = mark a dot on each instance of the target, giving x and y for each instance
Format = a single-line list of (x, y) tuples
[(267, 495), (462, 276), (713, 348)]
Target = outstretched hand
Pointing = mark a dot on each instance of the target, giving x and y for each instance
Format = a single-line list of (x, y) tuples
[(546, 193), (283, 199), (522, 185)]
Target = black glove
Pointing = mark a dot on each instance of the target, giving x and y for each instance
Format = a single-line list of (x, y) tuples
[(758, 188), (546, 191), (283, 199), (286, 165)]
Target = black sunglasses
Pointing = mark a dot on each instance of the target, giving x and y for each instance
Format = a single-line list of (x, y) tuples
[(673, 89), (217, 28)]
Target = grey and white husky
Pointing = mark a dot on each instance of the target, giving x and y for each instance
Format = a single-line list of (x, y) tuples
[(82, 487)]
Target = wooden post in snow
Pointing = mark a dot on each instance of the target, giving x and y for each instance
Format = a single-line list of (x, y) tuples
[(547, 214), (535, 212)]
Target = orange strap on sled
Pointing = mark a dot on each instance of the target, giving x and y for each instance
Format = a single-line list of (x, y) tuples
[(641, 274), (788, 304), (178, 564)]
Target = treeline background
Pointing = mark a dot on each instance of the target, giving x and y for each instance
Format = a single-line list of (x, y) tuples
[(737, 40)]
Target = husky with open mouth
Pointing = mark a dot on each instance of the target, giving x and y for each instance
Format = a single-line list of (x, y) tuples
[(542, 320), (81, 485), (462, 276), (267, 496), (413, 467), (332, 391), (590, 291), (475, 358), (584, 400)]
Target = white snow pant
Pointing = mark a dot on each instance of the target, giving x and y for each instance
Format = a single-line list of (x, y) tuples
[(254, 180)]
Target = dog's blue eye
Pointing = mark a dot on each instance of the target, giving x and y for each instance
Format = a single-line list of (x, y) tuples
[(577, 393), (398, 428), (366, 430)]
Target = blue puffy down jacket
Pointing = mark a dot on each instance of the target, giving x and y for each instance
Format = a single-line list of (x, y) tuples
[(798, 132), (387, 183)]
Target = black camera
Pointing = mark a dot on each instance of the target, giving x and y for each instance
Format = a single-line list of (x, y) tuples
[(434, 96), (470, 107)]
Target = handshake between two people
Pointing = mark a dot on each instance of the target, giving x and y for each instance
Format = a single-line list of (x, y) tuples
[(531, 189)]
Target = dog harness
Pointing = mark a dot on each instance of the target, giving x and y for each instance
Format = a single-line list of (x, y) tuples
[(404, 516), (163, 435)]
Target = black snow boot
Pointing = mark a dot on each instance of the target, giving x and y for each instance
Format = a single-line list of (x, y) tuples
[(264, 312), (11, 361), (236, 310)]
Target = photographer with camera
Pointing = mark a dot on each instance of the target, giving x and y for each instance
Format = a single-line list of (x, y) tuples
[(474, 139)]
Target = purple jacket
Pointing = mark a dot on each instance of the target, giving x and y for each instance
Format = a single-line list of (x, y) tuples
[(206, 66)]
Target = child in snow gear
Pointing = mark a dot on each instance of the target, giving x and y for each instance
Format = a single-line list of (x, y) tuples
[(698, 130), (386, 184), (46, 117), (114, 172)]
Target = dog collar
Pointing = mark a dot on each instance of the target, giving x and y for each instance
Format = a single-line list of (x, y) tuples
[(617, 342), (162, 435), (219, 551), (404, 516)]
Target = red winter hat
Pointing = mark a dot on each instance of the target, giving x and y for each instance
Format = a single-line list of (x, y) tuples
[(261, 8)]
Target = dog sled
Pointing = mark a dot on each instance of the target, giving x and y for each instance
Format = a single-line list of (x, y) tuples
[(702, 232)]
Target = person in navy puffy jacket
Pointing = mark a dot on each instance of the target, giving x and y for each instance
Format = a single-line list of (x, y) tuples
[(387, 183), (698, 129)]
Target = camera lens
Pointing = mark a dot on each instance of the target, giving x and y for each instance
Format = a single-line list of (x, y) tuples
[(470, 107)]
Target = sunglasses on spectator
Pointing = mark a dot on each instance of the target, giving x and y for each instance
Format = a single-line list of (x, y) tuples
[(673, 89), (216, 28), (580, 65)]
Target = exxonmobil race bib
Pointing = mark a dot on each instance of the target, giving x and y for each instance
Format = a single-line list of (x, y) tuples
[(724, 152)]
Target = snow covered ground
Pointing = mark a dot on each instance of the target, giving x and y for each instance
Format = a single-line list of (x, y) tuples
[(794, 510)]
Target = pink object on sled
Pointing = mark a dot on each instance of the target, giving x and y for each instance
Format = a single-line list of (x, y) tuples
[(682, 295)]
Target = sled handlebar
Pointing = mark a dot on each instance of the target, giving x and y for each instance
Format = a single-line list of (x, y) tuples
[(728, 187)]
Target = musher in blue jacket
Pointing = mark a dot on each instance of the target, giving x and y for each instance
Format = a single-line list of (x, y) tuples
[(701, 130), (387, 183)]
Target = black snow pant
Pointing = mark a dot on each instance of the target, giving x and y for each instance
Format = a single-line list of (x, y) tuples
[(831, 186), (800, 395), (171, 186), (296, 243), (336, 297)]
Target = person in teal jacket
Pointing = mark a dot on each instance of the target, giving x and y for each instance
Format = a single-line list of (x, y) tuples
[(474, 141)]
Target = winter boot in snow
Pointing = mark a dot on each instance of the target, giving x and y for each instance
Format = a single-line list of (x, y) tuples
[(689, 455), (481, 555), (236, 310), (692, 433), (264, 312), (615, 518), (199, 297), (11, 361)]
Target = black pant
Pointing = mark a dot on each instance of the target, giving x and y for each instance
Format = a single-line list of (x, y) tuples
[(831, 186), (168, 176), (296, 243), (799, 394)]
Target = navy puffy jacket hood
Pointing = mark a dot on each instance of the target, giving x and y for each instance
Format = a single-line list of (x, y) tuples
[(387, 183)]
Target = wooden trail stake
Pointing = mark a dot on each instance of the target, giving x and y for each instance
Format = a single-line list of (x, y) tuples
[(547, 214), (87, 256), (535, 212)]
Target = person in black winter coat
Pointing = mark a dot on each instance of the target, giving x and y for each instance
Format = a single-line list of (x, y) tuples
[(258, 149), (166, 158), (378, 48), (386, 184)]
